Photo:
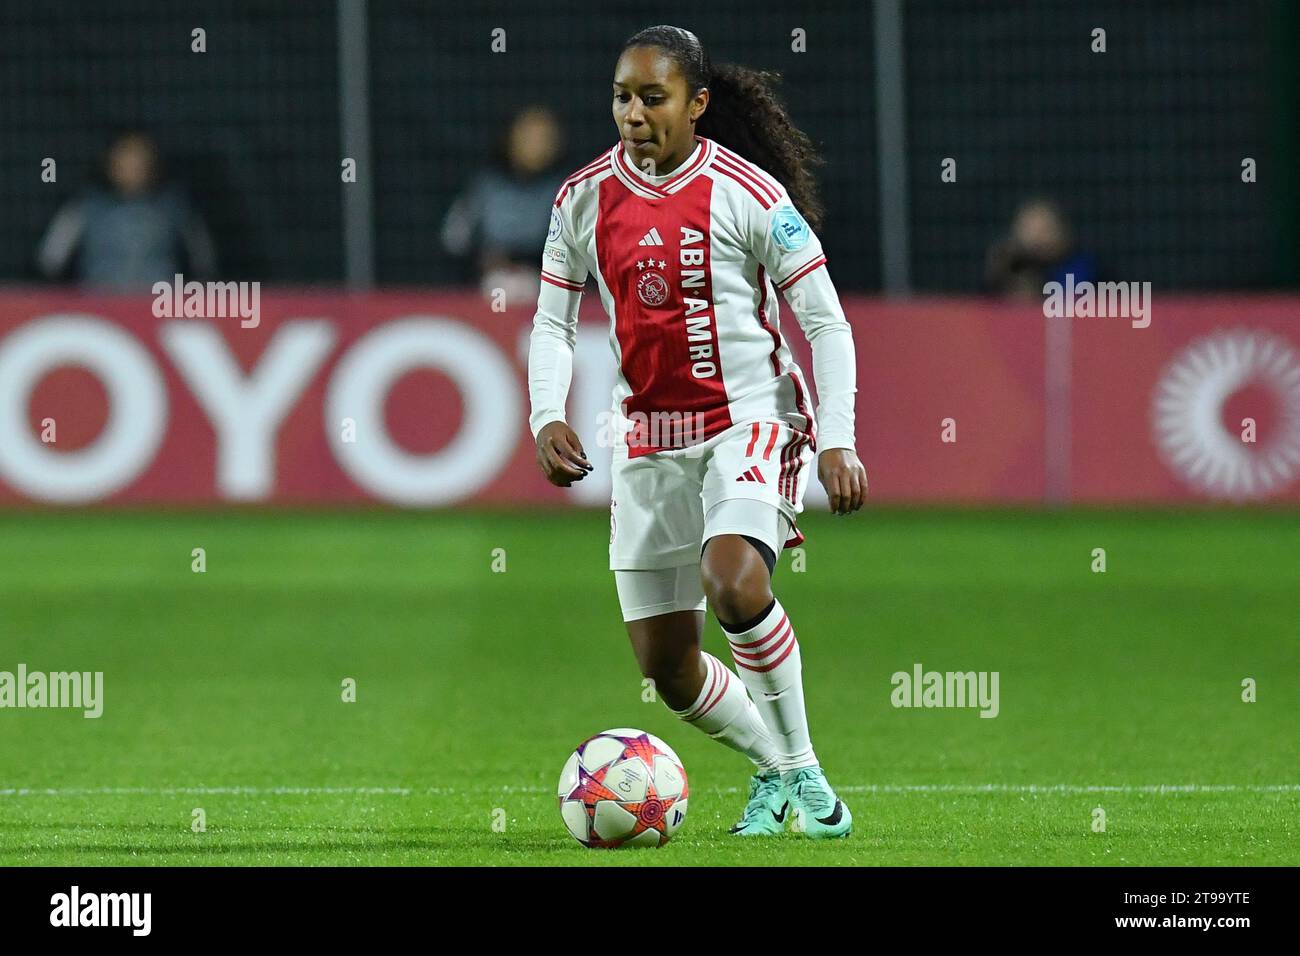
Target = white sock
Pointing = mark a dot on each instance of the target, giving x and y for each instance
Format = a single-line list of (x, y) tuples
[(724, 712), (767, 659)]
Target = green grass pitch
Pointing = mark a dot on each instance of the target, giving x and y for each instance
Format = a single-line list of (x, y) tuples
[(1120, 690)]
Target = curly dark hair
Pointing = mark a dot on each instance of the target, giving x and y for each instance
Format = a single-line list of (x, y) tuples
[(745, 115)]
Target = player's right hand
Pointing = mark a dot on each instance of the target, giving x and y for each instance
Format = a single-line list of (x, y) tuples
[(560, 454)]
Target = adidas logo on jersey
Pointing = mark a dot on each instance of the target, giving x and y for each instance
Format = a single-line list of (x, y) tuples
[(753, 475), (651, 238)]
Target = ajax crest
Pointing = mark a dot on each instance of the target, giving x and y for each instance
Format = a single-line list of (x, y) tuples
[(789, 230), (652, 287)]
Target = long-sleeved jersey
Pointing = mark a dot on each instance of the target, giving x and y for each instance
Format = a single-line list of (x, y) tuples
[(688, 265)]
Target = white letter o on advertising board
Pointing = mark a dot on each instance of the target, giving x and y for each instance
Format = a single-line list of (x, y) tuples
[(137, 408), (488, 388)]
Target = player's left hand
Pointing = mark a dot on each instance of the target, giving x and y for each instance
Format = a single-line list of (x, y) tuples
[(844, 479)]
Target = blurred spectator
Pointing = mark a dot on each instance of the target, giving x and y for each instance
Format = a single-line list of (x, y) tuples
[(499, 222), (1040, 248), (131, 231)]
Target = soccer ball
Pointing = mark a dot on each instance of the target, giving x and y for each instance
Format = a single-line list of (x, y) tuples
[(623, 787)]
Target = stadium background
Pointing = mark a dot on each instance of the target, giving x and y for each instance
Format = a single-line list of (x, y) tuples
[(225, 680), (1142, 145), (1137, 141)]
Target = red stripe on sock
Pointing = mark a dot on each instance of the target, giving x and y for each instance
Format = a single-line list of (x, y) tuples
[(722, 691), (713, 680), (775, 663), (779, 625), (768, 650)]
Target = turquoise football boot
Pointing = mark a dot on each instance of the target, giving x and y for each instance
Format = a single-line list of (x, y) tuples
[(817, 813), (767, 810)]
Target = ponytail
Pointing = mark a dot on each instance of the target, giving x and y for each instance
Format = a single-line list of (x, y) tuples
[(746, 116)]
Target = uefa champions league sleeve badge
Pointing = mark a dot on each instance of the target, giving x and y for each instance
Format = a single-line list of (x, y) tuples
[(556, 226), (789, 230)]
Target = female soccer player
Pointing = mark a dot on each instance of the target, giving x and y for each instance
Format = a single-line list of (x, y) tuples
[(690, 224)]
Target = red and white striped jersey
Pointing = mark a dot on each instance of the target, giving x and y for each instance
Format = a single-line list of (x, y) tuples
[(688, 265)]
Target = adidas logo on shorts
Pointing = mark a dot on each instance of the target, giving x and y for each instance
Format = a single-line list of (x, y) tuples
[(753, 475)]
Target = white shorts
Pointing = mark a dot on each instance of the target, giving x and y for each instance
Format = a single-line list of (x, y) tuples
[(643, 594), (749, 480)]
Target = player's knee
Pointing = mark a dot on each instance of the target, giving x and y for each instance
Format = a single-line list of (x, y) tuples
[(736, 592)]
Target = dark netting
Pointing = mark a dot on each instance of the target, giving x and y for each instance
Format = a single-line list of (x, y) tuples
[(251, 126), (1141, 144), (441, 97)]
